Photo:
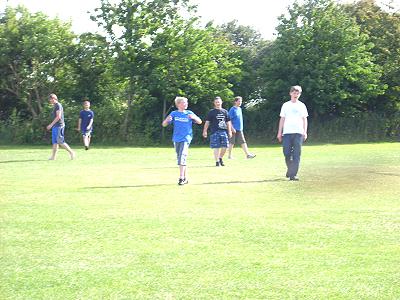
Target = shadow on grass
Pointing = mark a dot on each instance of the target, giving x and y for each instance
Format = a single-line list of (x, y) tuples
[(173, 184), (387, 174), (20, 161)]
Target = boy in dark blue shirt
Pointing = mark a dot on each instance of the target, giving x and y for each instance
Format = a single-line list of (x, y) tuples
[(85, 123), (182, 119)]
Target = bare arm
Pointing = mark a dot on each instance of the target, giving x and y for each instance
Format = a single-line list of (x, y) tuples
[(56, 119), (79, 124), (280, 129), (90, 124), (195, 118), (166, 121), (206, 125), (229, 124), (305, 127)]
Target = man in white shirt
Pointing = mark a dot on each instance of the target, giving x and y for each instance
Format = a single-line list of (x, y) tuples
[(293, 131)]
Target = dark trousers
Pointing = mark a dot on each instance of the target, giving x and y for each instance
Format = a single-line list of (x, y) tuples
[(292, 150)]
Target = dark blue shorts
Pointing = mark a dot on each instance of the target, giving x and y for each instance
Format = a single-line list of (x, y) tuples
[(57, 135), (219, 139)]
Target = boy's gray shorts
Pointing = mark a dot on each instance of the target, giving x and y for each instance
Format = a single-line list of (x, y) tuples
[(182, 149)]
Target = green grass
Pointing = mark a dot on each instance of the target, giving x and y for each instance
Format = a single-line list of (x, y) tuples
[(114, 224)]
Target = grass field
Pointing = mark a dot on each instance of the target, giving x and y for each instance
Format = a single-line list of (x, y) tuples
[(114, 224)]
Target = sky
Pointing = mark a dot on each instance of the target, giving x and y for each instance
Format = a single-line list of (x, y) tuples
[(261, 15)]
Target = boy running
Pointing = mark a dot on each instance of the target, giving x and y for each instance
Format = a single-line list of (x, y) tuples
[(182, 120), (85, 123), (57, 127), (220, 124)]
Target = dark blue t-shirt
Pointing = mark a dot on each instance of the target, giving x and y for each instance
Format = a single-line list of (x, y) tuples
[(183, 131), (235, 113), (86, 116)]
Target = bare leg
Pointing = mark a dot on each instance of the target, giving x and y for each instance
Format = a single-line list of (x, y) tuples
[(230, 150), (222, 153), (85, 141), (245, 148), (182, 171), (216, 154), (54, 152), (66, 147), (89, 138)]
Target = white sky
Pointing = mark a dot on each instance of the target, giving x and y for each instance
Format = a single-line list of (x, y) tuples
[(260, 14)]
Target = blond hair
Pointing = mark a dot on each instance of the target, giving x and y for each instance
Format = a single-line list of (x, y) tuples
[(296, 88), (180, 99)]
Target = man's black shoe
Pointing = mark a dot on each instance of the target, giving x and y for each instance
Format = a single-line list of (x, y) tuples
[(294, 178), (221, 162), (217, 164), (287, 174)]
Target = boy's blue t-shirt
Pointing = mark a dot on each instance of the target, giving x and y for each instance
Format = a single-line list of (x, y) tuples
[(235, 113), (86, 116), (183, 131)]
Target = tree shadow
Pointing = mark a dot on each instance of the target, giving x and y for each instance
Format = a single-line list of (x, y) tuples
[(387, 173), (20, 161), (195, 184)]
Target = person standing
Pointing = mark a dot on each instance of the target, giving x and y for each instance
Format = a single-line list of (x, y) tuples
[(57, 127), (220, 125), (182, 120), (85, 123), (236, 115), (292, 131)]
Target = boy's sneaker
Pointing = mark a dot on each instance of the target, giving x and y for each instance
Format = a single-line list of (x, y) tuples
[(221, 163), (86, 148), (294, 178), (217, 163), (287, 174), (185, 181), (181, 181), (251, 156)]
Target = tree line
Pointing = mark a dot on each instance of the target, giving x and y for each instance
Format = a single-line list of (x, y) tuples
[(345, 56)]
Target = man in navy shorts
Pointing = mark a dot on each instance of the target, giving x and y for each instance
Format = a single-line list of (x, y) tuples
[(221, 130)]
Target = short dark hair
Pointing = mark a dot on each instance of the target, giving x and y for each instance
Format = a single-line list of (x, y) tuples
[(237, 98), (217, 98)]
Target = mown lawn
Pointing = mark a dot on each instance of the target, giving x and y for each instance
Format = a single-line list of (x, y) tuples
[(114, 224)]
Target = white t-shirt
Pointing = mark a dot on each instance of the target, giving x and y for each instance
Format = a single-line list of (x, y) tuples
[(293, 112)]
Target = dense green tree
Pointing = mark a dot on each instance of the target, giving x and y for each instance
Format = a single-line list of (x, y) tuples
[(382, 26), (34, 51), (160, 54), (321, 48), (248, 45)]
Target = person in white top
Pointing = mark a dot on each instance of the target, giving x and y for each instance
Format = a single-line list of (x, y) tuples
[(292, 131)]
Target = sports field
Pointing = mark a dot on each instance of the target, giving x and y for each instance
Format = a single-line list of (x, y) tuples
[(114, 224)]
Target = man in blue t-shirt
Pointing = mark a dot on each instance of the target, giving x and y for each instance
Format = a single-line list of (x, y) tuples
[(85, 123), (57, 127), (235, 113), (182, 120)]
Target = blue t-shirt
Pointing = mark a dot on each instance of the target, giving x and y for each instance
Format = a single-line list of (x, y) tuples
[(183, 131), (235, 113), (86, 116)]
